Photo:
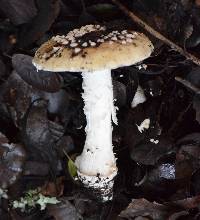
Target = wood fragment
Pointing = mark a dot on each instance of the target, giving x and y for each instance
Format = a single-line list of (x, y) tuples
[(155, 33)]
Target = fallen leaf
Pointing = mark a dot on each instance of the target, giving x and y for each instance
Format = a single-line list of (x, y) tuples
[(195, 183), (2, 69), (48, 11), (144, 208), (196, 106), (187, 157), (63, 210), (150, 153), (42, 80), (72, 168), (18, 96), (40, 134), (36, 168), (187, 203), (53, 188), (12, 161), (119, 93), (197, 2), (152, 210), (19, 11)]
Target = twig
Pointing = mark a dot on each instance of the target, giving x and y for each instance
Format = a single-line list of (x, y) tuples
[(188, 84), (66, 154), (156, 34)]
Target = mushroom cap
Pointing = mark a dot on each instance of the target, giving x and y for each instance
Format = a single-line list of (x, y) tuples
[(92, 48)]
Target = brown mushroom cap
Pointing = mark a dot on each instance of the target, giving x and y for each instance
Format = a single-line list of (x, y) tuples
[(92, 48)]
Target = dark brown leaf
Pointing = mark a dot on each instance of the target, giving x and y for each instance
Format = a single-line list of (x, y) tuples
[(197, 2), (150, 153), (192, 138), (36, 168), (11, 163), (54, 189), (196, 106), (48, 11), (3, 139), (18, 96), (2, 68), (40, 135), (157, 179), (18, 11), (188, 203), (187, 31), (153, 87), (193, 77), (144, 208), (195, 183), (62, 210), (119, 90), (42, 80), (187, 157), (17, 215), (152, 210)]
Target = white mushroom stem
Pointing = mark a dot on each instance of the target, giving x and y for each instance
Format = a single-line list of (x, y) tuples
[(97, 164)]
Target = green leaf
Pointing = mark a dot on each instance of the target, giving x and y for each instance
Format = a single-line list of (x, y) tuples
[(71, 165), (102, 10), (72, 168)]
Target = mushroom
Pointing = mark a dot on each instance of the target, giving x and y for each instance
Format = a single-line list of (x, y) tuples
[(95, 54)]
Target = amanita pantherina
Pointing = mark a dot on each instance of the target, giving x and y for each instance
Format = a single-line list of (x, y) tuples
[(94, 51)]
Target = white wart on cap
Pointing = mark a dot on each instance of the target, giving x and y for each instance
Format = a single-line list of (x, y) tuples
[(91, 48)]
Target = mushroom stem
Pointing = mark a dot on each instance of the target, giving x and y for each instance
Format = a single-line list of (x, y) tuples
[(97, 164)]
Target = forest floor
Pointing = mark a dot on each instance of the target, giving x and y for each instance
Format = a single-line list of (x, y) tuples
[(42, 120)]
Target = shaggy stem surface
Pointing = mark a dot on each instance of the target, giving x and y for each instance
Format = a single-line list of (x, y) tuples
[(97, 164)]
